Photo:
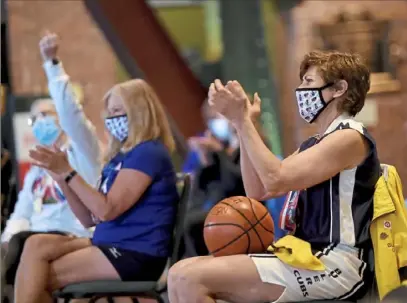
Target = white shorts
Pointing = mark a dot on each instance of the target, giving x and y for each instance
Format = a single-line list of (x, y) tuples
[(342, 278)]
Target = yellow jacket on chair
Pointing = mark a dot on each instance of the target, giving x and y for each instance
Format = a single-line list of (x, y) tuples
[(389, 231)]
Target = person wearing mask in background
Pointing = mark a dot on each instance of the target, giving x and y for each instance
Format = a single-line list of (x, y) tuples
[(214, 159), (217, 174), (202, 144), (59, 121), (229, 162), (41, 206), (213, 162), (217, 145), (133, 208)]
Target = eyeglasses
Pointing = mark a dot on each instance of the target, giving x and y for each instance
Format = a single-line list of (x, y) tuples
[(40, 115)]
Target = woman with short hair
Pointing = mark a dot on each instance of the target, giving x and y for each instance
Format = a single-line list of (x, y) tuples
[(331, 182)]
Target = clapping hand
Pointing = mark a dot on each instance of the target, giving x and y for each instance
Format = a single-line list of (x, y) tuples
[(52, 159), (232, 102), (255, 108)]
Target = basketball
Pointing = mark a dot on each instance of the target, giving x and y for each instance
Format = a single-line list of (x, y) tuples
[(238, 225)]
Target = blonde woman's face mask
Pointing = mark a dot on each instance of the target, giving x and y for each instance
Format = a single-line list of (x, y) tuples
[(117, 122)]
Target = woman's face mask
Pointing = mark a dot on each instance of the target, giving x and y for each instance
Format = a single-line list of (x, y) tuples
[(310, 102), (220, 128), (118, 127), (46, 130)]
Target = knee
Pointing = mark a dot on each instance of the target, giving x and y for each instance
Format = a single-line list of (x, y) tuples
[(38, 246), (177, 274), (185, 280), (183, 274)]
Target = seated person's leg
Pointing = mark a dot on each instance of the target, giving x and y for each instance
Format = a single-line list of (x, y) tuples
[(14, 250), (12, 257), (50, 262), (233, 279), (264, 278)]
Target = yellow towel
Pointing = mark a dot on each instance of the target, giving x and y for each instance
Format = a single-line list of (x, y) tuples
[(296, 253)]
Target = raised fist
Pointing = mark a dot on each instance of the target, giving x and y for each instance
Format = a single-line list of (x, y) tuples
[(49, 46)]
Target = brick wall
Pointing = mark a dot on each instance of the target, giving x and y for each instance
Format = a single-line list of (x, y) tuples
[(389, 133), (86, 55), (90, 61)]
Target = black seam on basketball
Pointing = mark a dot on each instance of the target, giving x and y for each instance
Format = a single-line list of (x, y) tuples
[(251, 204), (223, 224), (252, 226), (233, 240), (245, 232), (258, 221)]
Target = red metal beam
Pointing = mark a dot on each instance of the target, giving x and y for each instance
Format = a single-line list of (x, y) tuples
[(141, 42)]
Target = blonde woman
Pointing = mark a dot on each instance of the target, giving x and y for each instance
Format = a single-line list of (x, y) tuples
[(133, 208)]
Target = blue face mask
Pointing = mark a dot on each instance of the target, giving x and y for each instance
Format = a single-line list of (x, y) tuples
[(46, 130), (220, 128)]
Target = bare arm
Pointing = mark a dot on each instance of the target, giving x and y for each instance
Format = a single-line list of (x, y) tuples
[(124, 193), (77, 206), (127, 188), (252, 184), (341, 150)]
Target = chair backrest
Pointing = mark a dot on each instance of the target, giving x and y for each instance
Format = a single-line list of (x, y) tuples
[(184, 185)]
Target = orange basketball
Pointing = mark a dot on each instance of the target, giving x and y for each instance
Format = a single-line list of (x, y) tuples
[(238, 225)]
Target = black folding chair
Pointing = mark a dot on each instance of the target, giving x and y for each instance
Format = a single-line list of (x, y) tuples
[(95, 290)]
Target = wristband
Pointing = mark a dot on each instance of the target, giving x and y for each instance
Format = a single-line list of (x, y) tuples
[(70, 176)]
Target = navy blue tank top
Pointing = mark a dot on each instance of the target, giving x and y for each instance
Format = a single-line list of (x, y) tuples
[(340, 210)]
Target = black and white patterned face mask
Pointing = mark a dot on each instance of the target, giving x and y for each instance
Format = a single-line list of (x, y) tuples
[(118, 126), (311, 102)]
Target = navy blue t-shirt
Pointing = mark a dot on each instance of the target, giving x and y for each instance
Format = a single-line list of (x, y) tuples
[(147, 226)]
